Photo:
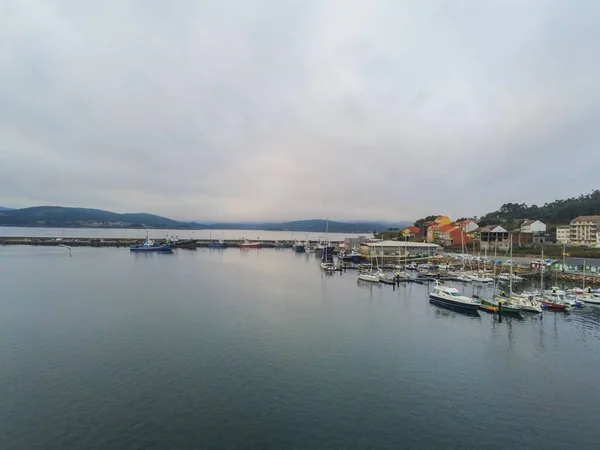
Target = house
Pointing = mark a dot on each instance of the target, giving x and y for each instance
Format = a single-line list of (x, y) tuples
[(433, 232), (563, 234), (410, 232), (584, 230), (445, 234), (467, 225), (492, 236), (453, 235), (533, 226), (442, 220), (519, 238)]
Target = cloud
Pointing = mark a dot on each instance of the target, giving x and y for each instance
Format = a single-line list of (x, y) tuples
[(275, 109)]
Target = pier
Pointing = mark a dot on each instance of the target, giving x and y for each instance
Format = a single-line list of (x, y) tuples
[(126, 242)]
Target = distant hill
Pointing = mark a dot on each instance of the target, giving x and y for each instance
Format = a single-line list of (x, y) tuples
[(4, 208), (58, 216), (312, 225), (63, 217)]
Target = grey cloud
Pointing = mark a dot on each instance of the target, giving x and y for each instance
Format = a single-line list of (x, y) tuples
[(275, 109)]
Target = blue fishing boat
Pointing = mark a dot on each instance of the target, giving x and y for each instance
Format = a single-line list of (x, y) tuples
[(150, 246), (217, 244)]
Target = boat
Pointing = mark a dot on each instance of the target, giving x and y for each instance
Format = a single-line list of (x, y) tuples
[(479, 278), (368, 276), (503, 304), (299, 247), (150, 246), (452, 298), (527, 303), (249, 244), (352, 256), (554, 304), (328, 266), (189, 244), (217, 244)]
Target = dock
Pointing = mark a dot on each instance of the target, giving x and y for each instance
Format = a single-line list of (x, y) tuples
[(126, 242)]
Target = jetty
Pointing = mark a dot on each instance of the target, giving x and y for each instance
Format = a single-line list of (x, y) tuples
[(126, 242)]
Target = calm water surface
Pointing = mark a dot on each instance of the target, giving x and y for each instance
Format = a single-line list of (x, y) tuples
[(258, 349)]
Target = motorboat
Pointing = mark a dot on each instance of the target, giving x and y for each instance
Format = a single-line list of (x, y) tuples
[(452, 298)]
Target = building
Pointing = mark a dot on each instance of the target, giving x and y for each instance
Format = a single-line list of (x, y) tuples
[(520, 239), (355, 242), (467, 225), (533, 226), (492, 236), (398, 248), (584, 230), (445, 234), (410, 232), (442, 220), (577, 265), (563, 234)]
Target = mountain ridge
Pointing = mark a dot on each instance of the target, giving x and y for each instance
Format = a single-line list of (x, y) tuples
[(75, 217)]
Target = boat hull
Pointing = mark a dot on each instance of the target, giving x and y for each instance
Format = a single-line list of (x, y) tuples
[(554, 306), (160, 248), (505, 308), (439, 300), (250, 245), (217, 245)]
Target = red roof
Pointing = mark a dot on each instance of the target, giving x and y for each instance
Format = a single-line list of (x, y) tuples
[(412, 229), (444, 228)]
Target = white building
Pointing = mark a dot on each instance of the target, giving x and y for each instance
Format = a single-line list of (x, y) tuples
[(584, 230), (533, 226), (398, 248), (563, 234)]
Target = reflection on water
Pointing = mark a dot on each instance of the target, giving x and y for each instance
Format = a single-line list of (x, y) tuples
[(249, 349)]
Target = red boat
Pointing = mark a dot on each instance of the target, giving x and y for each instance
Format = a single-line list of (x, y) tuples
[(554, 306), (248, 244)]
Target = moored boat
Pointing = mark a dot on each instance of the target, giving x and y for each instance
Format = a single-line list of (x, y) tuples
[(452, 298), (249, 244), (217, 244), (150, 246), (299, 247)]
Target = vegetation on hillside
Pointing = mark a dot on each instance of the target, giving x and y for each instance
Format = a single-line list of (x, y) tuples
[(511, 215)]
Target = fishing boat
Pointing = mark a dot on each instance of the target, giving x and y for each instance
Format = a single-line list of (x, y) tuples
[(452, 298), (189, 244), (217, 244), (249, 244), (150, 246), (299, 247)]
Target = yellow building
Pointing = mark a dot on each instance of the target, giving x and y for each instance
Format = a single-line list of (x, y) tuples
[(442, 220)]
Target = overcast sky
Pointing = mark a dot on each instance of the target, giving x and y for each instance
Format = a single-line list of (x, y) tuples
[(274, 109)]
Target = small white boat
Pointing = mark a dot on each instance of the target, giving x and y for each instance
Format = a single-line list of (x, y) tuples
[(592, 299), (328, 266), (451, 297), (368, 276), (527, 303), (478, 278)]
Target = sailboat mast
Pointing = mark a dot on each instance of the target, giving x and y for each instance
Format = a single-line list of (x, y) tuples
[(542, 268), (510, 284), (584, 274)]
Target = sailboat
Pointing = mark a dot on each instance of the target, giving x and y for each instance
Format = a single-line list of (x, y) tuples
[(327, 252), (503, 303)]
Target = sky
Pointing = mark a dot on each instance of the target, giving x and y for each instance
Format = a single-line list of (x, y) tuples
[(279, 110)]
